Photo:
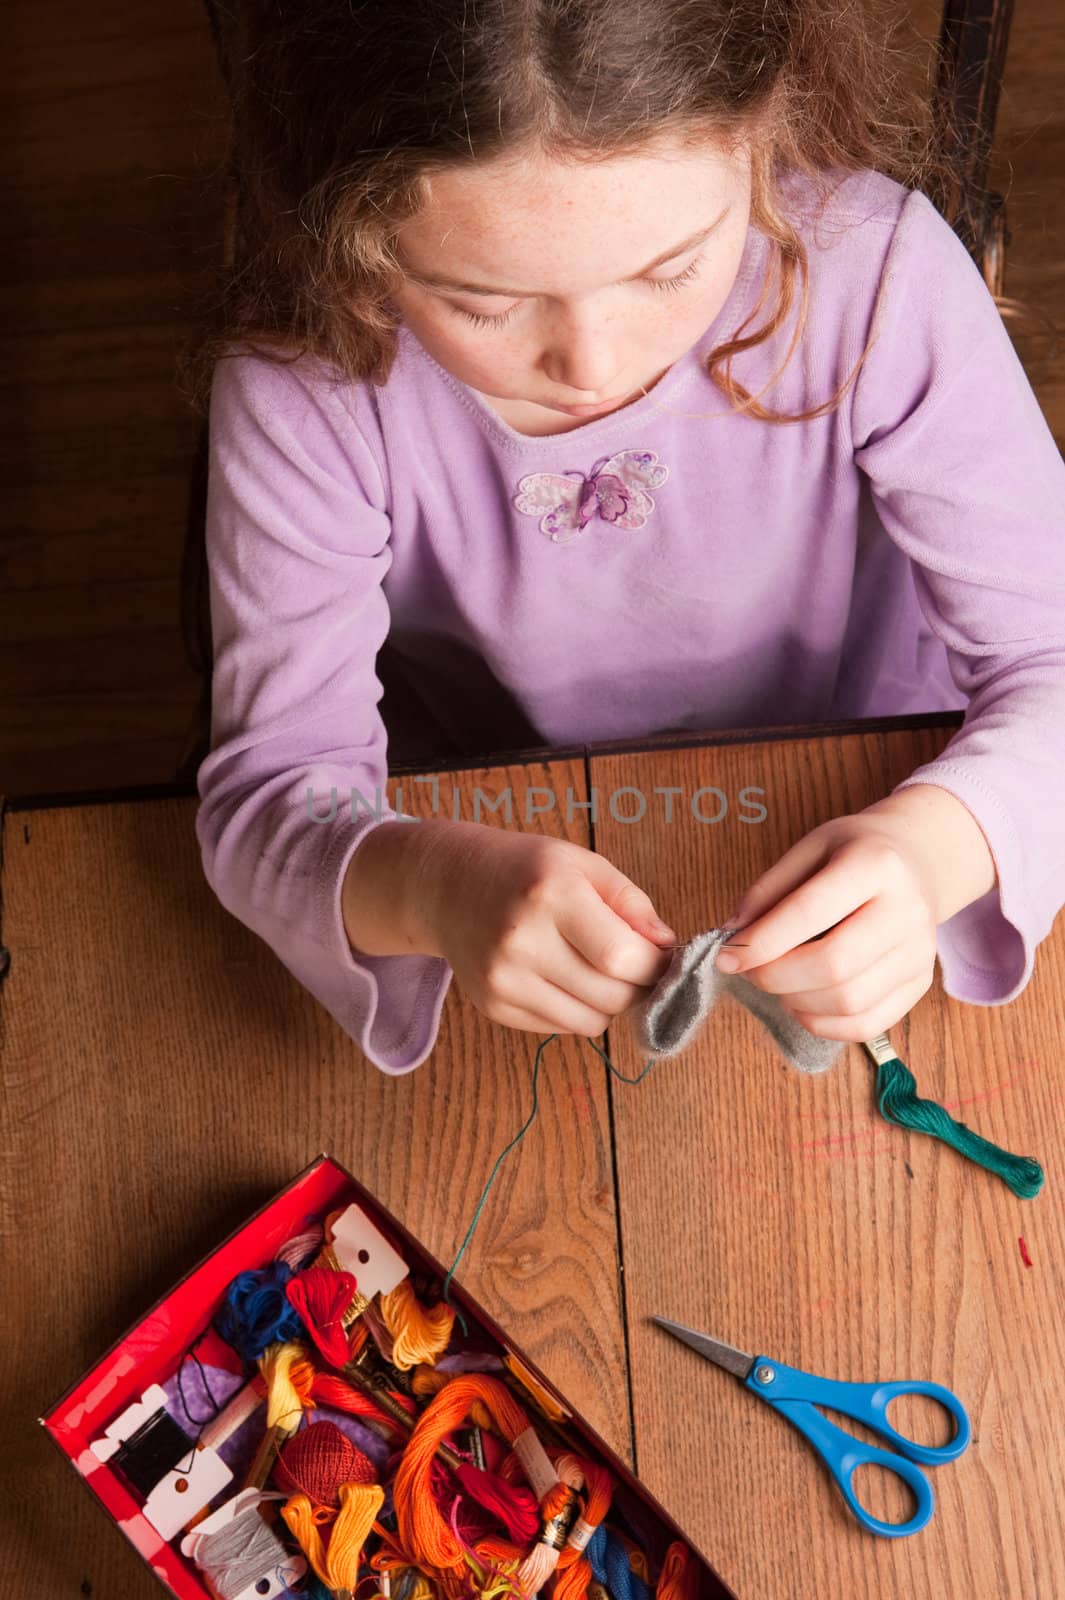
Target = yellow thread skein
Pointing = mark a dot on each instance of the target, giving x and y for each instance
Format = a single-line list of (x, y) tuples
[(419, 1333), (284, 1403), (337, 1566)]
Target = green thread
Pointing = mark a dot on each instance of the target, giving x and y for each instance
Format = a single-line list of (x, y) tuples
[(518, 1137), (492, 1178), (899, 1102)]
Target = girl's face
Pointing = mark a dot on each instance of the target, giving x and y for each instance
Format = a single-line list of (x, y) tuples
[(547, 287)]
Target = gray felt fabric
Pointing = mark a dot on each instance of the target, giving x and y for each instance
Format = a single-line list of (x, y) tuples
[(671, 1016)]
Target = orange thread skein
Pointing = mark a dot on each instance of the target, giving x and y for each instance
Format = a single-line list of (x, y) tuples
[(574, 1569), (422, 1529), (600, 1491), (426, 1380), (678, 1579)]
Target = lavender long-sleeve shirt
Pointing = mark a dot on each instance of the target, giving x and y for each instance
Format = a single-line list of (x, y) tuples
[(643, 572)]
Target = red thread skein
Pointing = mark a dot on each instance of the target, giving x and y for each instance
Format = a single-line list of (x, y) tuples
[(317, 1460)]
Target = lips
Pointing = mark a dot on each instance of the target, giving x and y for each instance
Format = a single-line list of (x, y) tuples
[(599, 406)]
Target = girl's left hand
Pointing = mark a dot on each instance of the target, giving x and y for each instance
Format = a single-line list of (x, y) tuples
[(861, 879)]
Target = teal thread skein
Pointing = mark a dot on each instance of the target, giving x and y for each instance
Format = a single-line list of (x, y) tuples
[(899, 1102)]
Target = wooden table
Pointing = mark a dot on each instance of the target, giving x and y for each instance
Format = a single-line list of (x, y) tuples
[(164, 1074)]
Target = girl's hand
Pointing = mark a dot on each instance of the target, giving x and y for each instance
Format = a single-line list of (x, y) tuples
[(874, 889), (541, 934)]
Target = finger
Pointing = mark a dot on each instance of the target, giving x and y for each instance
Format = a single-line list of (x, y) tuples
[(572, 972), (847, 951), (895, 970), (563, 1011), (517, 1017), (605, 939), (851, 878), (626, 899), (869, 1023), (797, 864)]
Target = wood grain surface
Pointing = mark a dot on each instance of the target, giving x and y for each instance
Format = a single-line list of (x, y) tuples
[(163, 1075), (780, 1213)]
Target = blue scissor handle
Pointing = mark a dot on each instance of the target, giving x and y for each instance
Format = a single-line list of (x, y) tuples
[(796, 1394)]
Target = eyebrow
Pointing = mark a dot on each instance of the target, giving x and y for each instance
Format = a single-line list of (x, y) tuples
[(435, 281)]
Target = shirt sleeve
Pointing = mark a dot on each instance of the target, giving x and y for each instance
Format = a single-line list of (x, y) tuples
[(968, 481), (298, 544)]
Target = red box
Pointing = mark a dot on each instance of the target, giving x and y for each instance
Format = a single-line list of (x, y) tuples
[(151, 1351)]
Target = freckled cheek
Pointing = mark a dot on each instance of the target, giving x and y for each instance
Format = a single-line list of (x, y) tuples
[(480, 354), (483, 356), (459, 347)]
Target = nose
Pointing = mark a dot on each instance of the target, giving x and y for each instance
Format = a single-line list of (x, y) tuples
[(582, 357)]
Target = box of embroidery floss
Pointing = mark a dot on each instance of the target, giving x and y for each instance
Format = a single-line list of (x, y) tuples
[(305, 1415)]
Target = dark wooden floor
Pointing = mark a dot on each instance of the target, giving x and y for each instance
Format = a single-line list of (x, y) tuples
[(110, 229)]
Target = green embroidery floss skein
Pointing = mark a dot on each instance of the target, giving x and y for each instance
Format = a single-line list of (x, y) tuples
[(899, 1102)]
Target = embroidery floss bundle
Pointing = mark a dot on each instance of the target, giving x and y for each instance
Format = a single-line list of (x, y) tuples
[(241, 1551), (336, 1559), (677, 1579), (321, 1298), (472, 1486), (423, 1530), (256, 1312), (284, 1406), (899, 1102), (328, 1388), (418, 1334), (576, 1570), (331, 1485), (302, 1250)]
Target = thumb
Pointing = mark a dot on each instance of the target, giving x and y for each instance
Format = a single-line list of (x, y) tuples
[(628, 901), (794, 868)]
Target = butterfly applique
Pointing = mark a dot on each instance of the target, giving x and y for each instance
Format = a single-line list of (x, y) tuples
[(615, 489)]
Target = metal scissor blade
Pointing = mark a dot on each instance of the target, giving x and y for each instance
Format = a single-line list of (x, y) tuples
[(723, 1355)]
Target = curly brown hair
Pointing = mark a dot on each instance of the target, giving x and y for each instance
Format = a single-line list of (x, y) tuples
[(342, 108)]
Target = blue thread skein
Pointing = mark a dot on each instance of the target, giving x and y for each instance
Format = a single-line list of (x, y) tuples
[(255, 1312), (610, 1564)]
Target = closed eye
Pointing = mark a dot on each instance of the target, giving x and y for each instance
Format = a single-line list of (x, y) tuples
[(666, 284)]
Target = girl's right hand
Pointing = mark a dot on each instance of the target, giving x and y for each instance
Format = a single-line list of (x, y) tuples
[(540, 933)]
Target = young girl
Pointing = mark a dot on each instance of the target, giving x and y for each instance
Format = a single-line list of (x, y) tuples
[(607, 360)]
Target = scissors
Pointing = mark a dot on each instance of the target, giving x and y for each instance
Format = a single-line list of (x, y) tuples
[(796, 1394)]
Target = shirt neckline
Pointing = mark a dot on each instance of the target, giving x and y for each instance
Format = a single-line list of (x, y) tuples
[(670, 386)]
